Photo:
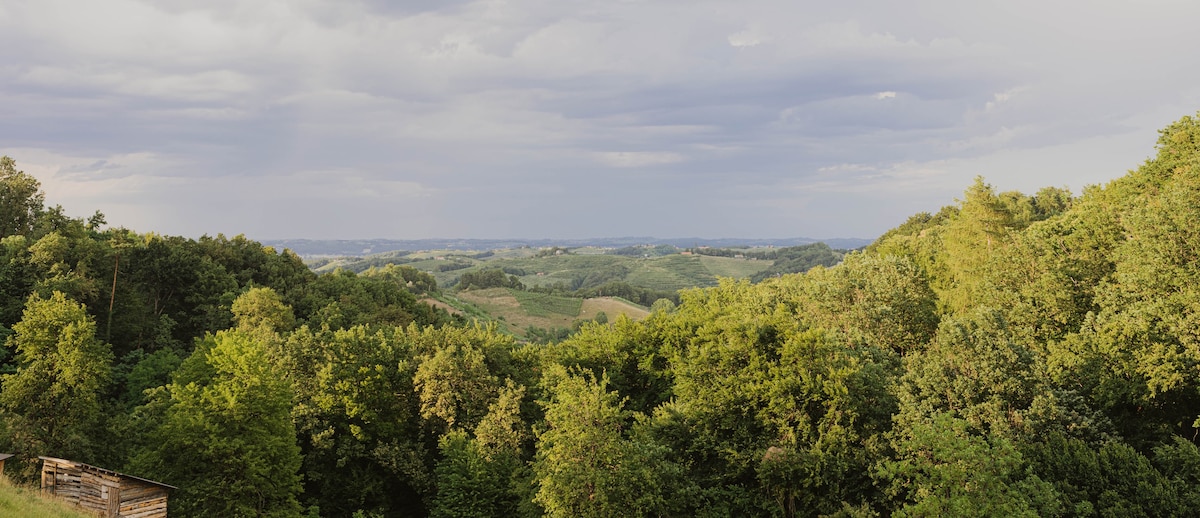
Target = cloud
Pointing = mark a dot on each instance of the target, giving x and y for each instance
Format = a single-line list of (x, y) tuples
[(751, 105), (1000, 98), (637, 158), (745, 38)]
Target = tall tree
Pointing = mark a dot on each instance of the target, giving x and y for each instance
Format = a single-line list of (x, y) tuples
[(586, 466), (979, 230), (357, 416), (228, 440), (21, 200), (454, 387), (52, 402), (482, 476)]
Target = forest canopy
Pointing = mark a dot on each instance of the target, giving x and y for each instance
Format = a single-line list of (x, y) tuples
[(1010, 354)]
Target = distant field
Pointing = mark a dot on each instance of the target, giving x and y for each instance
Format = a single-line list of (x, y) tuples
[(731, 267), (612, 307), (516, 310), (543, 305)]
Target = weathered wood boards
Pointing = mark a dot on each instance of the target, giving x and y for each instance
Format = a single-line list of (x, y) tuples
[(105, 492)]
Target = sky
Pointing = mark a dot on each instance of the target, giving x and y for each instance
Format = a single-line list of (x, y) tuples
[(355, 119)]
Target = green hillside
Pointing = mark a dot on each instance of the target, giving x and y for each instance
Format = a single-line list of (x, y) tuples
[(574, 270)]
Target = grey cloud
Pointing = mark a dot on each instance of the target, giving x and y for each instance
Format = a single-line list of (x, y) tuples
[(763, 113)]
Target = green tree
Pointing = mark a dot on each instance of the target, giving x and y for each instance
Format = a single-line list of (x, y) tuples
[(468, 484), (942, 469), (980, 230), (62, 262), (52, 402), (454, 387), (21, 200), (1136, 354), (486, 475), (227, 439), (771, 415), (976, 371), (1113, 479), (585, 465), (488, 278), (262, 308), (17, 278), (882, 301), (358, 420)]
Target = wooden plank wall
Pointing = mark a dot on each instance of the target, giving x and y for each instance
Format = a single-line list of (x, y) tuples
[(103, 492), (62, 480), (142, 500)]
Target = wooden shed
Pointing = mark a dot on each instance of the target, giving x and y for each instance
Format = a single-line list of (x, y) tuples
[(105, 492), (4, 457)]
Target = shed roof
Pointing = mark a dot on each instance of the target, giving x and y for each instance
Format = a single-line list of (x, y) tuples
[(119, 474), (5, 456)]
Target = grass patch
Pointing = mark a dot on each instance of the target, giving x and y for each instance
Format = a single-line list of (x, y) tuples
[(28, 503), (543, 305)]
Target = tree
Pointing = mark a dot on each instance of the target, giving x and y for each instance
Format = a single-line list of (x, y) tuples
[(486, 475), (61, 262), (468, 484), (17, 278), (882, 301), (941, 469), (52, 402), (21, 200), (357, 417), (976, 371), (488, 278), (228, 440), (261, 308), (585, 465), (454, 387), (981, 229)]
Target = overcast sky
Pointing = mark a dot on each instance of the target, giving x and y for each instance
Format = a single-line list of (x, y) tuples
[(577, 118)]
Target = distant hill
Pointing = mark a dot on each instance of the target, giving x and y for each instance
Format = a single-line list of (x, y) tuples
[(363, 247), (662, 269)]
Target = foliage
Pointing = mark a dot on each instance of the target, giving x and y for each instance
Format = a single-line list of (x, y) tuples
[(454, 386), (414, 280), (488, 278), (798, 259), (227, 440), (356, 418), (21, 200), (941, 469), (52, 403), (585, 465)]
